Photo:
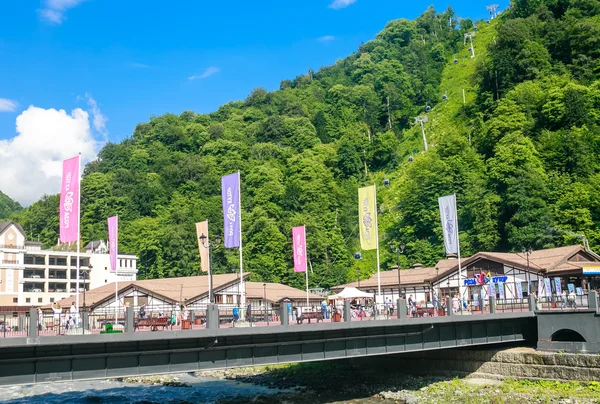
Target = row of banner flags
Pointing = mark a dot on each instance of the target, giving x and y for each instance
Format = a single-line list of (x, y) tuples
[(232, 226)]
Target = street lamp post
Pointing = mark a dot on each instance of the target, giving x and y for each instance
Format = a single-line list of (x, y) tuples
[(398, 250), (358, 275), (527, 253), (210, 245)]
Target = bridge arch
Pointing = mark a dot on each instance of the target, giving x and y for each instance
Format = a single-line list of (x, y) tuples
[(567, 335)]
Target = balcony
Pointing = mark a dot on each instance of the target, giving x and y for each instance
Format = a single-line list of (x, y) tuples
[(12, 246)]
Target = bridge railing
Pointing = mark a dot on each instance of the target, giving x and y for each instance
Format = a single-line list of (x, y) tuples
[(563, 302), (13, 326)]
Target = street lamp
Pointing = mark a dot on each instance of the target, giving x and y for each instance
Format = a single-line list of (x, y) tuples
[(84, 273), (206, 244), (398, 250), (527, 253)]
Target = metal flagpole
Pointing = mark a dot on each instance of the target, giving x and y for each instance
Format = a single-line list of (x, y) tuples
[(78, 226), (242, 284), (305, 269), (377, 241), (116, 272), (460, 286)]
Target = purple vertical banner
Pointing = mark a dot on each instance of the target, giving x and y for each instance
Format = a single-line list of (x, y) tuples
[(113, 241), (230, 191)]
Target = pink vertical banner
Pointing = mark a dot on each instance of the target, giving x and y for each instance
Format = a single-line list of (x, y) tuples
[(299, 243), (113, 241), (69, 201)]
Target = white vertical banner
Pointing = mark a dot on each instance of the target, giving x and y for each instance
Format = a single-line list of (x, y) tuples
[(449, 223), (449, 218)]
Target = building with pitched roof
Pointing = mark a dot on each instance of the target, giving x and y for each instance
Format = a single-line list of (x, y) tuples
[(163, 295), (510, 273)]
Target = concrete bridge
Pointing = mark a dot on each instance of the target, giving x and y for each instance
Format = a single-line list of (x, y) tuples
[(33, 359)]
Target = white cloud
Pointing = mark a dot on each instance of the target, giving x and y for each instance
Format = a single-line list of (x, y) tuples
[(98, 119), (209, 71), (54, 10), (337, 4), (7, 105), (326, 38), (32, 160)]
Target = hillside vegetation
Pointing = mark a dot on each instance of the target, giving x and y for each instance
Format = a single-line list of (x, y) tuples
[(521, 154)]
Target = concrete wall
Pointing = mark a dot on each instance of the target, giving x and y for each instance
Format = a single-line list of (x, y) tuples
[(585, 322)]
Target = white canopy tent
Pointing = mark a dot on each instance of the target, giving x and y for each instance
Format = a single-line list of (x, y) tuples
[(351, 293)]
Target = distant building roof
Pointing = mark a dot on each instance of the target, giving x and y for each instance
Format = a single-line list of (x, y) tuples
[(276, 292), (5, 225)]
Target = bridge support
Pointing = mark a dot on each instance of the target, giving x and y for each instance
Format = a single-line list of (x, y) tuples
[(129, 319), (212, 316), (347, 316), (492, 304), (593, 300), (33, 324), (402, 309), (283, 314), (531, 302)]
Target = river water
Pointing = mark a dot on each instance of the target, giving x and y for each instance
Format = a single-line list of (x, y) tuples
[(202, 390)]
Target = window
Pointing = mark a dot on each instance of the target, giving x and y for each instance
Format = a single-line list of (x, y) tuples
[(125, 263), (15, 300), (106, 268), (229, 299), (142, 300), (28, 300), (105, 281), (15, 314), (51, 300), (120, 263), (40, 300), (129, 301)]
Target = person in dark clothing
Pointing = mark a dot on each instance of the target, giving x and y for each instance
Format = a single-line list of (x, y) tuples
[(249, 312)]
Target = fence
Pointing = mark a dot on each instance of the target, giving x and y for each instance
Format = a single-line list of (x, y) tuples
[(14, 326)]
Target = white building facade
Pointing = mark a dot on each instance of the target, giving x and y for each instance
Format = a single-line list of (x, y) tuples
[(31, 276)]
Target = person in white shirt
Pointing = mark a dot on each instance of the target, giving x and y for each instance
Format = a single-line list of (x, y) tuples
[(73, 312)]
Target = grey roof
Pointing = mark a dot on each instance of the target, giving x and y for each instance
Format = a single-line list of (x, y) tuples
[(93, 244), (6, 225)]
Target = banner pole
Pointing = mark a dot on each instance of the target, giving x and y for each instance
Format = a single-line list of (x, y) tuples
[(460, 285), (305, 268), (78, 227), (377, 242), (117, 274), (242, 284)]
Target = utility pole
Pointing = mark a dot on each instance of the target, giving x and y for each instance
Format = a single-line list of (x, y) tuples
[(422, 119), (470, 35), (389, 114)]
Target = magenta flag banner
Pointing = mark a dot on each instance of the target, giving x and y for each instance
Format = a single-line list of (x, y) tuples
[(230, 191), (113, 241), (69, 201), (299, 242)]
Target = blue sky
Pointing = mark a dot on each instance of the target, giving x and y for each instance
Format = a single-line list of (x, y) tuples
[(122, 61)]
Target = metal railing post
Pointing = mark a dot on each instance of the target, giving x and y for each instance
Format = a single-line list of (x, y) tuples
[(532, 302), (283, 315), (129, 319), (347, 315), (593, 300), (492, 304), (33, 323), (85, 321), (212, 316), (402, 309)]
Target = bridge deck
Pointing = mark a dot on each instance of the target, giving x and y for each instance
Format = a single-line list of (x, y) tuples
[(53, 358)]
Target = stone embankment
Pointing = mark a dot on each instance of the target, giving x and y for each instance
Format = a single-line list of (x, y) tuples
[(516, 363)]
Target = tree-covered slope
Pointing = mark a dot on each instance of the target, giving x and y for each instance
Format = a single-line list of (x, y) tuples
[(8, 207), (521, 154)]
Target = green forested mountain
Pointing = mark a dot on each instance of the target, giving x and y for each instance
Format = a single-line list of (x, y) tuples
[(521, 152), (8, 207)]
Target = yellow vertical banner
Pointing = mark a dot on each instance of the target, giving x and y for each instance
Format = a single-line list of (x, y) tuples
[(202, 228), (367, 218)]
